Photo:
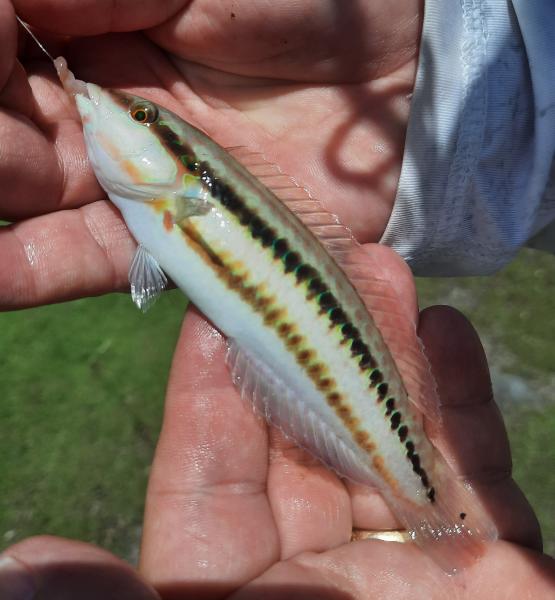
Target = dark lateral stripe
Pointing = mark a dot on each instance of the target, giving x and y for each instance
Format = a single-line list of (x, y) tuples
[(318, 291), (291, 259), (294, 265), (272, 313)]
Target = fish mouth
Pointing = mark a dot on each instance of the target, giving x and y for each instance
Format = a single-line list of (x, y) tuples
[(90, 103), (76, 87), (86, 105), (91, 93), (71, 85)]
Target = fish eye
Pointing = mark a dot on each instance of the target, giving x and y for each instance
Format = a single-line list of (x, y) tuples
[(144, 113)]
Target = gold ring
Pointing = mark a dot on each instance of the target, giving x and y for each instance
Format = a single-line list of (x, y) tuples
[(388, 535)]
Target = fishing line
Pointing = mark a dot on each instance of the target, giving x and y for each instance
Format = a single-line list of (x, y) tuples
[(28, 30)]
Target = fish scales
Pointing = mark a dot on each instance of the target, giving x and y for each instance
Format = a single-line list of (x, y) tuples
[(289, 287), (304, 348)]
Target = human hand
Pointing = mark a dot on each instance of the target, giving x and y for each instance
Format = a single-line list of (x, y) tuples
[(319, 86), (234, 510), (218, 490)]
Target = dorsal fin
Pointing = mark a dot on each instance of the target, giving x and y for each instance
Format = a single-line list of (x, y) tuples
[(377, 293)]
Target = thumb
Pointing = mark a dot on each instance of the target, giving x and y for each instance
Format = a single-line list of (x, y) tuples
[(49, 568)]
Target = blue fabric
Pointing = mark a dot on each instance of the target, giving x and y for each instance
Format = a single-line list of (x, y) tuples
[(475, 181)]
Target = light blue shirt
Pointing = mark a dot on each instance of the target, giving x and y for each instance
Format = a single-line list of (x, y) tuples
[(478, 177)]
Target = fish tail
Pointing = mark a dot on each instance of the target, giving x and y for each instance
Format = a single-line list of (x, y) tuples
[(453, 527)]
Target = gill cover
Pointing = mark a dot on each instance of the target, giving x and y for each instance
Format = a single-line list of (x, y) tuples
[(128, 157)]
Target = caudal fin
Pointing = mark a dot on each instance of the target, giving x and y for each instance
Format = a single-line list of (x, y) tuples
[(454, 529)]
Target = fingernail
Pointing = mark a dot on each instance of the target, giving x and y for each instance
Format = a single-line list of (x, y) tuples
[(16, 583)]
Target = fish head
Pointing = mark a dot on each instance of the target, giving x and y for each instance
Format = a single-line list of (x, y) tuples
[(125, 146)]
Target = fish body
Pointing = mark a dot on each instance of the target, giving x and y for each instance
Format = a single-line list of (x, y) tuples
[(305, 349)]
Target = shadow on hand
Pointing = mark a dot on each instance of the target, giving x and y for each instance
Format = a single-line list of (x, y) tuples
[(203, 591)]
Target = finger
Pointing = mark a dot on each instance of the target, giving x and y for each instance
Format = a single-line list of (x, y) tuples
[(8, 35), (91, 17), (65, 255), (57, 569), (472, 436), (328, 41), (376, 569), (44, 163), (16, 94), (311, 505), (370, 510), (45, 166), (386, 264), (29, 169), (207, 517), (29, 165), (355, 571)]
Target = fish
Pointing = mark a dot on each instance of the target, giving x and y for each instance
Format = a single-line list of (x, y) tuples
[(318, 343)]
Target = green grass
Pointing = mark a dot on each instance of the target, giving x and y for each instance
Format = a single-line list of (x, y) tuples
[(531, 434), (513, 309), (82, 387)]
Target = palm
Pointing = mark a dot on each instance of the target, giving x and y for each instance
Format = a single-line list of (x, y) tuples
[(262, 517), (334, 118), (230, 505)]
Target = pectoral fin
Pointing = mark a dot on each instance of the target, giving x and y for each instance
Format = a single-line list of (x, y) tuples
[(190, 206), (192, 200), (146, 278)]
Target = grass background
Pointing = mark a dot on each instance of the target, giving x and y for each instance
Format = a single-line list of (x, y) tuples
[(82, 387)]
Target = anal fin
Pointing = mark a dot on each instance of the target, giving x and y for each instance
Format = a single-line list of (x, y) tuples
[(272, 399)]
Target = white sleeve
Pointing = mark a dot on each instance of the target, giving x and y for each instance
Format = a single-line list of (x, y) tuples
[(475, 180)]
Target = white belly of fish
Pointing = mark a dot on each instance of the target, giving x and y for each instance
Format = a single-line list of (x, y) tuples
[(298, 406)]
